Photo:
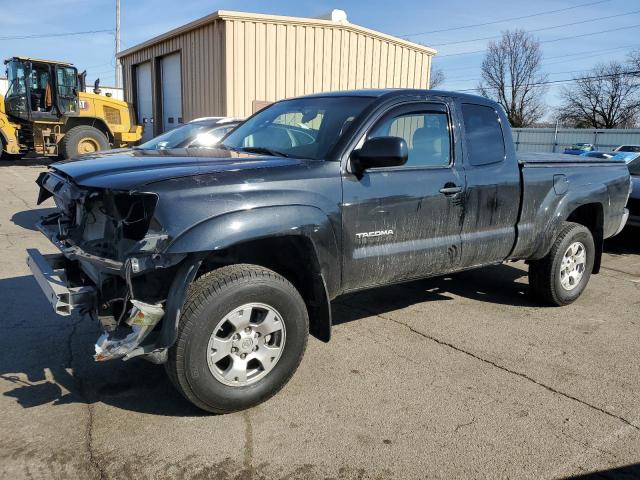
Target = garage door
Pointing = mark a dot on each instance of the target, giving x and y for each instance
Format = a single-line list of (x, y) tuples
[(171, 85), (144, 99)]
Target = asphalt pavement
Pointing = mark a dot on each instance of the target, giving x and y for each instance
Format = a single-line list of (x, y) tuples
[(453, 377)]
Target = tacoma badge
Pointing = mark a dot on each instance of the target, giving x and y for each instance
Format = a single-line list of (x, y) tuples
[(377, 233)]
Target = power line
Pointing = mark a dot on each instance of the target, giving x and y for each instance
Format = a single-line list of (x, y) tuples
[(567, 80), (548, 12), (48, 35), (466, 79), (578, 55), (538, 29), (547, 41), (590, 52)]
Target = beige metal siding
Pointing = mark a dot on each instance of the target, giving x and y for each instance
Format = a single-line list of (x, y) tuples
[(271, 61), (234, 61), (202, 56)]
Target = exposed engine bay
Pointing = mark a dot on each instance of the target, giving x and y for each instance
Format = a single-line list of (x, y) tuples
[(110, 242)]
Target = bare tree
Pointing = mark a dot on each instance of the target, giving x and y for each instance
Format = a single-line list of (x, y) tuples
[(605, 97), (437, 78), (634, 61), (511, 75)]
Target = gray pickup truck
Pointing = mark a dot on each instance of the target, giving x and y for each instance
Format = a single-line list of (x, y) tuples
[(219, 262)]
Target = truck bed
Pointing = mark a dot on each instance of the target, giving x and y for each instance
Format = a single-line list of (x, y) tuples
[(555, 158), (555, 184)]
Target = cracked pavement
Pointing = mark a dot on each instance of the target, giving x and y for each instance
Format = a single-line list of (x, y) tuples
[(453, 377)]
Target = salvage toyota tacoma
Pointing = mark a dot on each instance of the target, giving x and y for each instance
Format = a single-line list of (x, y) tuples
[(219, 262)]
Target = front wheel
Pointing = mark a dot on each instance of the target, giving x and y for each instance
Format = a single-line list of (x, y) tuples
[(562, 275), (241, 337)]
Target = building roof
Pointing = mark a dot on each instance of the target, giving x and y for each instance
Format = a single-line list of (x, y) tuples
[(259, 17)]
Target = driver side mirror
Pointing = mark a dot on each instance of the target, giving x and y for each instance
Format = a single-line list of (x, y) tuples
[(380, 152)]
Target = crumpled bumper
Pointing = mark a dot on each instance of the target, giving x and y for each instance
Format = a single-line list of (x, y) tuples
[(65, 298)]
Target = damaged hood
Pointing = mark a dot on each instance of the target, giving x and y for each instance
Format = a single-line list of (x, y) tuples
[(129, 169)]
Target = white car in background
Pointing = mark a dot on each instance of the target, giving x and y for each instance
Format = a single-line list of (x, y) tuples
[(203, 132), (628, 148)]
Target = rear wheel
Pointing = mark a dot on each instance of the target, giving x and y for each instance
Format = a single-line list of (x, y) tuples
[(81, 140), (562, 275), (241, 337)]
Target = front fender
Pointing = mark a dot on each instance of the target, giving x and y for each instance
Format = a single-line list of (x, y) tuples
[(237, 227)]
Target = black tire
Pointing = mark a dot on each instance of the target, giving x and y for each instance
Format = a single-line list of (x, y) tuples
[(209, 299), (544, 274), (70, 143)]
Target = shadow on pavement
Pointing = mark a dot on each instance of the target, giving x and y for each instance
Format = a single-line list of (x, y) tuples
[(28, 160), (28, 218), (628, 472), (494, 284), (49, 358), (627, 242)]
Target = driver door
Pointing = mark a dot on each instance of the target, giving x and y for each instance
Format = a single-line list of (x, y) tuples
[(404, 222)]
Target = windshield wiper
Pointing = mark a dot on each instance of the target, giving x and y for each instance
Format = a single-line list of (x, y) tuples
[(268, 151)]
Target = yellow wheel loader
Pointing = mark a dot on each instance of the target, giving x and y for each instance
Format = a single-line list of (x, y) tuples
[(46, 110)]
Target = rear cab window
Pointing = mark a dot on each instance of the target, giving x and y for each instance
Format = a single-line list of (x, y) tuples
[(484, 137)]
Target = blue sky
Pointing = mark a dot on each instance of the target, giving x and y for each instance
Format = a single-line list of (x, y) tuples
[(143, 19)]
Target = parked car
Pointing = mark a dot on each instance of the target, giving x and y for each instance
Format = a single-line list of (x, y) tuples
[(633, 164), (595, 154), (626, 157), (628, 148), (579, 148), (218, 263), (202, 132)]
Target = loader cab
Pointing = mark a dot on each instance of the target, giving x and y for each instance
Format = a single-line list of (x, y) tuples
[(41, 90)]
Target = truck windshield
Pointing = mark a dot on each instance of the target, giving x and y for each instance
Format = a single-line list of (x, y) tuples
[(634, 166), (302, 127)]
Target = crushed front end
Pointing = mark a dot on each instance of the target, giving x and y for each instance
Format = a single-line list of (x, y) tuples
[(111, 267)]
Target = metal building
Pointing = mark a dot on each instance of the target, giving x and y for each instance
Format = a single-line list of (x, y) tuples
[(233, 63)]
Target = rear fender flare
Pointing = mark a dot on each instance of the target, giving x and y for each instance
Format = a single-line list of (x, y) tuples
[(563, 209)]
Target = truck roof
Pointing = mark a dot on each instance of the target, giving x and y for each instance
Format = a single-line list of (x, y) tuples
[(389, 92)]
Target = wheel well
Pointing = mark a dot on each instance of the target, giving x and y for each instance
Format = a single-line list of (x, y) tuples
[(294, 258), (591, 215), (91, 122)]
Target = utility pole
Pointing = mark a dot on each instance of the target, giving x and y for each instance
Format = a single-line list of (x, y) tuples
[(118, 66)]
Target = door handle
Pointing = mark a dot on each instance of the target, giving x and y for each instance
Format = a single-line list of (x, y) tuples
[(450, 190)]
